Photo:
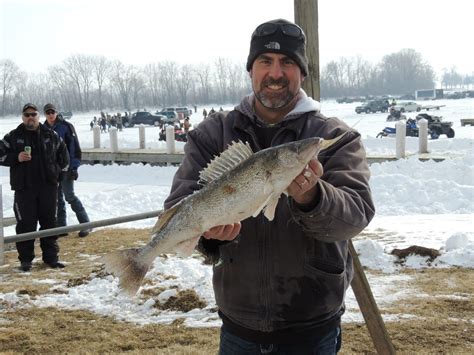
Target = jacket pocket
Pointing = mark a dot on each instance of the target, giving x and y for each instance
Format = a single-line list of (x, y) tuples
[(326, 283)]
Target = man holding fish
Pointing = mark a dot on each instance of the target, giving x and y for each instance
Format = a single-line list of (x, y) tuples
[(280, 284), (272, 215)]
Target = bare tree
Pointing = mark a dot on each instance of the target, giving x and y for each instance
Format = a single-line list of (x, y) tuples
[(168, 74), (152, 81), (222, 77), (126, 82), (183, 83), (9, 73), (238, 81), (203, 73), (101, 69), (405, 71), (137, 86)]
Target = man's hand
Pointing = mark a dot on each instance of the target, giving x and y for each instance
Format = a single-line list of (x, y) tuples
[(23, 156), (303, 188), (72, 175), (227, 232)]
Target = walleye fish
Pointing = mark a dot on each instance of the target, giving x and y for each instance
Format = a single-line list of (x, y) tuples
[(238, 184)]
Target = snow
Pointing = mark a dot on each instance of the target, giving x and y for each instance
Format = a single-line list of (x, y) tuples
[(427, 203)]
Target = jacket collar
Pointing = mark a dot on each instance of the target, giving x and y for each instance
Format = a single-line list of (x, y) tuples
[(291, 121)]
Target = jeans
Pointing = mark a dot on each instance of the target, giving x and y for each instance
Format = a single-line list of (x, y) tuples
[(66, 191), (330, 344)]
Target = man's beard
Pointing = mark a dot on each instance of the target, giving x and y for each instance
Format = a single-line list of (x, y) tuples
[(30, 125), (275, 100)]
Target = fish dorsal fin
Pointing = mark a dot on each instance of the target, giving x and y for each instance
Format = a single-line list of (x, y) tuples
[(164, 218), (236, 153)]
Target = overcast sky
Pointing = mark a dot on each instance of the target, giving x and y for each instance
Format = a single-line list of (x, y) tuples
[(38, 33)]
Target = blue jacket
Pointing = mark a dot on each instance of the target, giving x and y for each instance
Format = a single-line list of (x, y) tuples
[(68, 134)]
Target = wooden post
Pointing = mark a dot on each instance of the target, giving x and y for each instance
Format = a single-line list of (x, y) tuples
[(170, 148), (96, 135), (423, 136), (306, 16), (141, 136), (368, 307), (2, 241), (400, 138), (113, 140)]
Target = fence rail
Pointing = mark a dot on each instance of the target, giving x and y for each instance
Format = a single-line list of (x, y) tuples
[(76, 227)]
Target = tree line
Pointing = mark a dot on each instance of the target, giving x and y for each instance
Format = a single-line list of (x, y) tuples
[(85, 83)]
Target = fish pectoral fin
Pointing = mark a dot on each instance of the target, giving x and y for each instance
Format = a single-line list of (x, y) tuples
[(262, 206), (270, 208), (187, 247)]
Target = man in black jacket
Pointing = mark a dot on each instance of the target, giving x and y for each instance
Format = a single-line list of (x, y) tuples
[(36, 156)]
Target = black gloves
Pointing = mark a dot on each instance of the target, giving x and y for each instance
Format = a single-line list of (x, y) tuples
[(72, 175)]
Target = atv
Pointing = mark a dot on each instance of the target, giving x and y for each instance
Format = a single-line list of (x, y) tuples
[(436, 126)]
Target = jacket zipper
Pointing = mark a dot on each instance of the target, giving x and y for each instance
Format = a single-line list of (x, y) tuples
[(266, 274)]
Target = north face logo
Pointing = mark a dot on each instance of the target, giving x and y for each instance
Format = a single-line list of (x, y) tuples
[(272, 45)]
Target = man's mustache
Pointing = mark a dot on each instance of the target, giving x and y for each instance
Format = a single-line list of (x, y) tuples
[(280, 82)]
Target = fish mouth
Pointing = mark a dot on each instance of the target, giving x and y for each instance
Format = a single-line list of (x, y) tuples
[(308, 148)]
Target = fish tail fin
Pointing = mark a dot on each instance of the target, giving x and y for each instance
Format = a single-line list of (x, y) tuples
[(128, 266)]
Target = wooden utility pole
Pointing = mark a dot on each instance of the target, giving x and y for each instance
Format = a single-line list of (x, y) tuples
[(306, 16)]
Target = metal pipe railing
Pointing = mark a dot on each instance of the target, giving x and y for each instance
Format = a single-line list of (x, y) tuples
[(79, 227)]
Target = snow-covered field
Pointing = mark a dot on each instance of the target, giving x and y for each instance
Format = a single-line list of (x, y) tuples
[(418, 203)]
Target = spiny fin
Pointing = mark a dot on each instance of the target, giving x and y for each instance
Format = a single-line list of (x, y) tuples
[(236, 153), (164, 218), (326, 143)]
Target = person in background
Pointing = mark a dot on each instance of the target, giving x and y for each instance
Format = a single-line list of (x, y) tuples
[(67, 132), (204, 113), (186, 125), (279, 285), (36, 156)]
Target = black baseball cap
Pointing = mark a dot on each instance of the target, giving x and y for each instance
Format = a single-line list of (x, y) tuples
[(49, 107), (29, 105)]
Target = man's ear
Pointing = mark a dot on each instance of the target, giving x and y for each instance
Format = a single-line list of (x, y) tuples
[(302, 78)]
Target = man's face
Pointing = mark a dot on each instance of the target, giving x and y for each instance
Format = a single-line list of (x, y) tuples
[(51, 116), (276, 80), (31, 119)]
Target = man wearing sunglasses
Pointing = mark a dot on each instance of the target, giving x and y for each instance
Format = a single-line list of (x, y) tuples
[(36, 156), (280, 284), (68, 134)]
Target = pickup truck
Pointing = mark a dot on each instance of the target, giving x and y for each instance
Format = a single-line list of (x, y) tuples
[(170, 114), (144, 117), (373, 106)]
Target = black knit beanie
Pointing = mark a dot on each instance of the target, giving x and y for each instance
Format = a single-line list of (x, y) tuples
[(278, 42)]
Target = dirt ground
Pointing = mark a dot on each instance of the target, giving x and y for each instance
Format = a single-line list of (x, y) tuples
[(444, 322)]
